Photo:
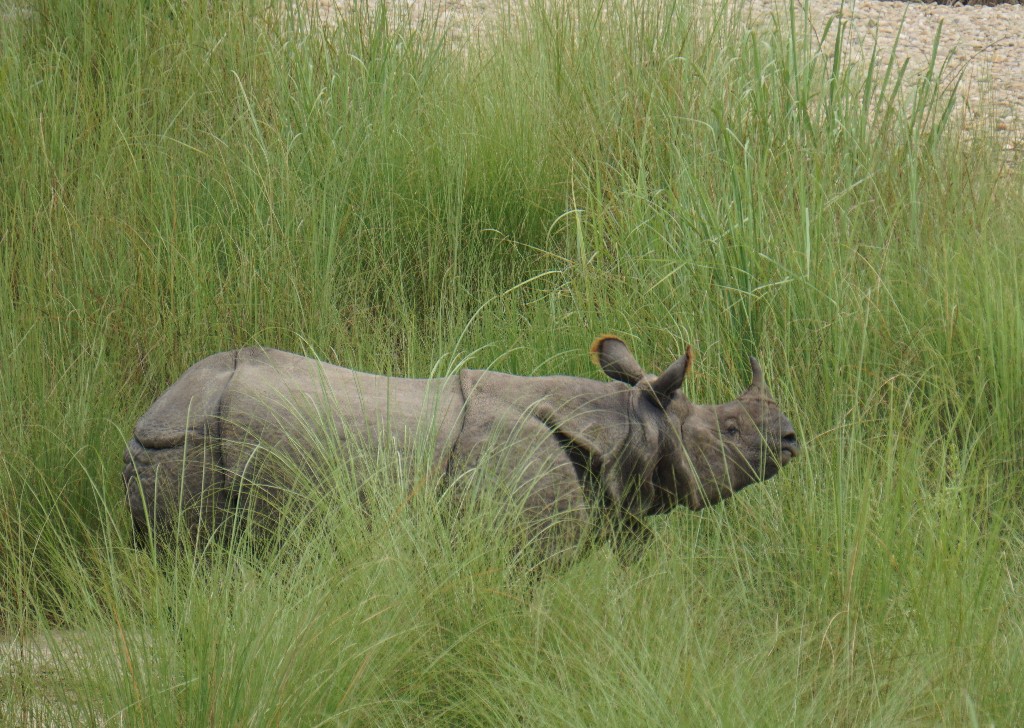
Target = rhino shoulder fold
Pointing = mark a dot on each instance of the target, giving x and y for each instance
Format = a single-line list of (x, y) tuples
[(574, 415)]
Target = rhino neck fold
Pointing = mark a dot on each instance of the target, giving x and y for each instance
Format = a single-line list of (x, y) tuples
[(632, 480)]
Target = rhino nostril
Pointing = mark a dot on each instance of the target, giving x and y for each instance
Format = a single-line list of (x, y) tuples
[(789, 439)]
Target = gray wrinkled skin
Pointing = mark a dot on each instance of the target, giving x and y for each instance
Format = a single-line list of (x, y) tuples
[(565, 448)]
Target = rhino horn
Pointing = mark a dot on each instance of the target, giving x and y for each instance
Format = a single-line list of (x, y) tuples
[(612, 355), (757, 387), (666, 385)]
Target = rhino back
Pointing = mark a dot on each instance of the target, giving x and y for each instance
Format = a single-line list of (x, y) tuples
[(298, 405)]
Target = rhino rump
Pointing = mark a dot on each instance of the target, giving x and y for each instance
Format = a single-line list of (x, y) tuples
[(213, 444), (172, 464)]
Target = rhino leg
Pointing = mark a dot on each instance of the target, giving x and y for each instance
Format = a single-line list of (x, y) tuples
[(165, 484), (522, 463), (173, 463)]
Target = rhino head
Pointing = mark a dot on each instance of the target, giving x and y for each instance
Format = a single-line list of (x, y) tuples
[(705, 453)]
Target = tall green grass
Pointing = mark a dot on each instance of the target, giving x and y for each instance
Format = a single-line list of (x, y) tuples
[(183, 178)]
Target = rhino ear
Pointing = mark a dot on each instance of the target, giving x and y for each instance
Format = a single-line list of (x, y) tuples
[(612, 355), (671, 379)]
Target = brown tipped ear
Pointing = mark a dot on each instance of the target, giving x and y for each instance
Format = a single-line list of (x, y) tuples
[(672, 378), (612, 355)]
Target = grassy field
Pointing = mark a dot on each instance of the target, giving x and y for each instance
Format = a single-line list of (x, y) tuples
[(180, 178)]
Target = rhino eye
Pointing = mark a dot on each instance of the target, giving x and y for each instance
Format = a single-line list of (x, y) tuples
[(732, 431)]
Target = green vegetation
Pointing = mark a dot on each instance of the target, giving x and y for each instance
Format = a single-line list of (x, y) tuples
[(179, 178)]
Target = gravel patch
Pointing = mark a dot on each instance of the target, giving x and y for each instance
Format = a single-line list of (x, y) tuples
[(984, 44)]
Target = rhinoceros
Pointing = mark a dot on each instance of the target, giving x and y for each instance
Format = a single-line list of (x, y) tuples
[(567, 446)]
